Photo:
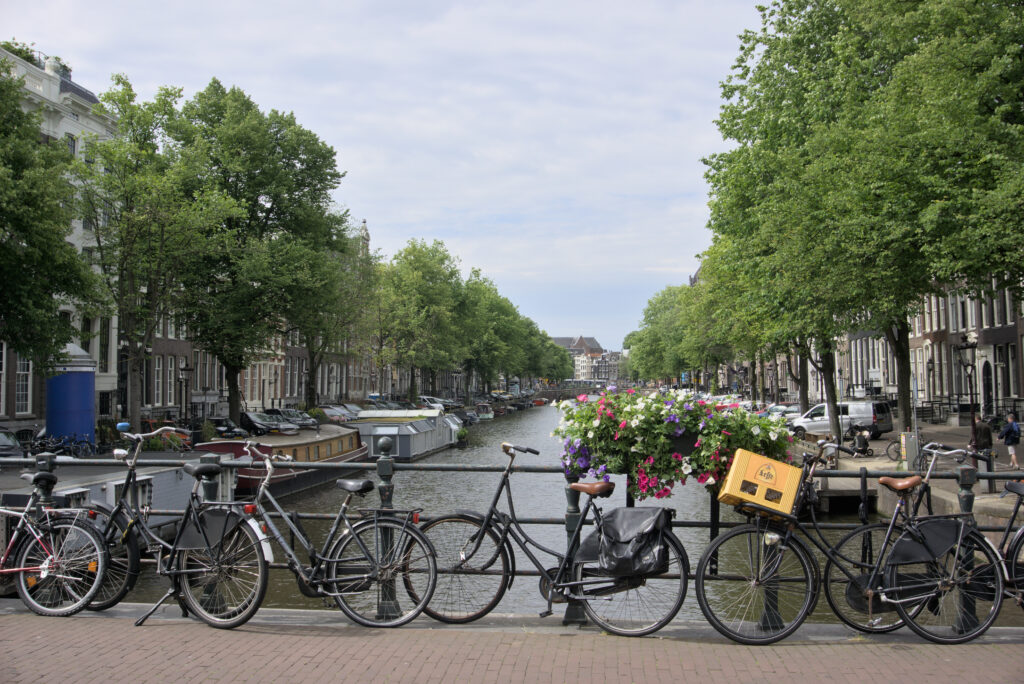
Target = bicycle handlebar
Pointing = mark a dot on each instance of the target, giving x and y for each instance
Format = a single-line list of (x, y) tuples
[(140, 436), (509, 448)]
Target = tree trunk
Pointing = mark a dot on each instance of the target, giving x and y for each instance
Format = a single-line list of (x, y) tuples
[(898, 337), (136, 368), (234, 396), (828, 375)]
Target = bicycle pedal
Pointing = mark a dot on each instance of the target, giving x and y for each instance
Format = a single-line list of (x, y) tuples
[(545, 613)]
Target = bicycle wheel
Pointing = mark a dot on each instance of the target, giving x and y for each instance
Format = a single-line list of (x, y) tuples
[(467, 588), (846, 577), (368, 584), (85, 449), (959, 593), (63, 567), (892, 450), (223, 585), (122, 546), (1016, 566), (638, 605), (753, 589)]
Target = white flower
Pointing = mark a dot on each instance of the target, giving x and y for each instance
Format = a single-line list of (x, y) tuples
[(634, 422), (757, 430), (590, 435), (711, 481), (634, 449), (773, 435), (597, 422), (687, 469)]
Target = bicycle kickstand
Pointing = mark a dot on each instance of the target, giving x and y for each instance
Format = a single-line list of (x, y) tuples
[(170, 592)]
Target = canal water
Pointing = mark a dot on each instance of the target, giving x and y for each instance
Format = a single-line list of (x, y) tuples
[(535, 495)]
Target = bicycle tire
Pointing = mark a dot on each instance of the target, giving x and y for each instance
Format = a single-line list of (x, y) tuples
[(69, 560), (367, 590), (123, 559), (734, 596), (637, 605), (892, 450), (223, 585), (85, 449), (961, 591), (844, 579), (467, 588), (1015, 563)]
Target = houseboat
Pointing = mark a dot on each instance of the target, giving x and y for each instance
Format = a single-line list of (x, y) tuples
[(329, 444)]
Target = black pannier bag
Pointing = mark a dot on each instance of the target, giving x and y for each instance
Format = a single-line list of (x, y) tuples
[(629, 541)]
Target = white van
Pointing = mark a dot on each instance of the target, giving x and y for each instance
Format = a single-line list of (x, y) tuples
[(876, 416)]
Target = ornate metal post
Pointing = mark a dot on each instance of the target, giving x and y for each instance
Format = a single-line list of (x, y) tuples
[(387, 603), (967, 476), (574, 614)]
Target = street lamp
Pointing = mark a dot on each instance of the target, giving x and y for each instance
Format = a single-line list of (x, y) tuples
[(930, 367), (184, 376), (967, 354)]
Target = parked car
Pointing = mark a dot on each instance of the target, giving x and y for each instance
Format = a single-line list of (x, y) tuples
[(432, 402), (875, 415), (262, 424), (9, 444), (225, 427), (333, 414), (300, 418)]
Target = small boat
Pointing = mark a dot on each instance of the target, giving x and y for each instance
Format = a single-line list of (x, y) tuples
[(484, 411), (331, 444), (539, 402)]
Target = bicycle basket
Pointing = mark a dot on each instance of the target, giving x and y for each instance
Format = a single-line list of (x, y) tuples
[(629, 541)]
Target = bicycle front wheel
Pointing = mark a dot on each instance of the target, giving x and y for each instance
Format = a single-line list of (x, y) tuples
[(635, 605), (956, 596), (367, 585), (469, 585), (892, 450), (62, 568), (846, 579), (223, 584), (122, 546), (752, 588)]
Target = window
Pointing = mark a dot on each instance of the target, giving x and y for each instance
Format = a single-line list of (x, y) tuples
[(86, 339), (104, 366), (71, 143), (171, 364), (23, 386), (158, 381)]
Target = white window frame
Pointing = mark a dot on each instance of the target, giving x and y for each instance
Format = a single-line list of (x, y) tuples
[(22, 371), (158, 380)]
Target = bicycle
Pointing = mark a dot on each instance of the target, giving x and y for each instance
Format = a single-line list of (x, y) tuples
[(56, 557), (757, 583), (215, 563), (360, 563), (1012, 550), (476, 561)]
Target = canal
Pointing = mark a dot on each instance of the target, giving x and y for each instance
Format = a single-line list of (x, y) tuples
[(535, 495)]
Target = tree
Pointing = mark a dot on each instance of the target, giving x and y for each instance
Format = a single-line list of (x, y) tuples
[(40, 270), (142, 222), (280, 175)]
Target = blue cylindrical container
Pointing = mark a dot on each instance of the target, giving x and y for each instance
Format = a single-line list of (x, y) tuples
[(71, 397)]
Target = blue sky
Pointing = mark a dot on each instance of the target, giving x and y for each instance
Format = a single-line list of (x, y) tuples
[(555, 146)]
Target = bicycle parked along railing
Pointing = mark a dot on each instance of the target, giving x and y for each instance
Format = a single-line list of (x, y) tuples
[(476, 562), (363, 565), (757, 583), (216, 562), (56, 557)]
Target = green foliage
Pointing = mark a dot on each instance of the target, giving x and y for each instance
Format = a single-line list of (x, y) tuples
[(318, 414), (41, 272), (208, 431), (25, 51)]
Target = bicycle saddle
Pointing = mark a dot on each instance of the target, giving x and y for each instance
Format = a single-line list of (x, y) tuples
[(357, 486), (1015, 487), (44, 478), (900, 484), (200, 470), (594, 488)]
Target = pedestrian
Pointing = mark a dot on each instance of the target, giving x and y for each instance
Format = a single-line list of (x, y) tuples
[(982, 434), (1010, 434)]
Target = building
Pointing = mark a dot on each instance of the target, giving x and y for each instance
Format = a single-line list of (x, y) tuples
[(591, 362)]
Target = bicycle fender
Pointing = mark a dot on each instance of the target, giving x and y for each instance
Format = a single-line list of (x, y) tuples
[(268, 550), (502, 538)]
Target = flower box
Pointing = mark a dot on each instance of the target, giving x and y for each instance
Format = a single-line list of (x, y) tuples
[(752, 478)]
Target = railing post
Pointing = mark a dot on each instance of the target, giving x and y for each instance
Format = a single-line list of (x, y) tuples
[(45, 464), (967, 476), (574, 614), (387, 602), (210, 484)]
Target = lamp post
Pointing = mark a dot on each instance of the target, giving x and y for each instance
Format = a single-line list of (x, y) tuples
[(930, 366), (184, 377), (967, 354)]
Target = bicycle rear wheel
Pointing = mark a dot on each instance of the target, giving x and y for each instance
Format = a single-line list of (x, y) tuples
[(223, 584), (63, 567), (753, 589), (637, 605), (468, 587), (892, 450), (367, 585), (846, 577), (957, 595), (122, 546)]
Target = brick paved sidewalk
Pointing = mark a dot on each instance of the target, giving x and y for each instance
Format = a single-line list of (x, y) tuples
[(315, 646)]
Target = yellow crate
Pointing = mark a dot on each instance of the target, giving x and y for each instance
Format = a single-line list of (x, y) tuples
[(752, 478)]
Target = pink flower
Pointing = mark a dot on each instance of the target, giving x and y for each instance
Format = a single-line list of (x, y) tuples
[(582, 398), (616, 437), (697, 444), (631, 391), (622, 425), (650, 460), (678, 456), (726, 433)]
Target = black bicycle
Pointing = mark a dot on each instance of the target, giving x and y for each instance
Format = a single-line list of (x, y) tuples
[(757, 583), (215, 562), (476, 565), (361, 565)]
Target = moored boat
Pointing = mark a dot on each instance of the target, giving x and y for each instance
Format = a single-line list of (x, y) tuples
[(330, 444), (484, 411)]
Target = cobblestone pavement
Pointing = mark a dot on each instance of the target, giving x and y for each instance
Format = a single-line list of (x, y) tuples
[(315, 646)]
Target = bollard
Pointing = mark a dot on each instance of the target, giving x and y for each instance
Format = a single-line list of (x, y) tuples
[(387, 602), (45, 463), (574, 614), (967, 476), (210, 484)]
